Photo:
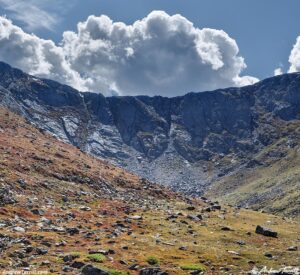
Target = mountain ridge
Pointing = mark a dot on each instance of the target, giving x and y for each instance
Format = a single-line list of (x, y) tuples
[(186, 142)]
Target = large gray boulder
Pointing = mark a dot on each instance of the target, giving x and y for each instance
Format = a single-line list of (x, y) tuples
[(91, 270)]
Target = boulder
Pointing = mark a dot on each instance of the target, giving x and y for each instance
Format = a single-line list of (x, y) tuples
[(85, 208), (77, 265), (265, 231), (268, 255), (41, 251), (216, 207), (6, 197), (37, 212), (19, 229), (69, 258), (193, 218), (22, 183), (152, 271), (226, 228), (91, 270), (73, 231)]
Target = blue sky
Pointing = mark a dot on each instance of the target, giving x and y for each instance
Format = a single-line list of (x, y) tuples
[(264, 30)]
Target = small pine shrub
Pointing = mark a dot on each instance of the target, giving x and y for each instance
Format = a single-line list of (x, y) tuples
[(98, 257), (152, 260)]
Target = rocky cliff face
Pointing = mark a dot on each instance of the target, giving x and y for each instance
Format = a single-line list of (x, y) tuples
[(186, 142)]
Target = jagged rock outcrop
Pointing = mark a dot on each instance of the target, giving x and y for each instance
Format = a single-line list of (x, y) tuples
[(185, 142)]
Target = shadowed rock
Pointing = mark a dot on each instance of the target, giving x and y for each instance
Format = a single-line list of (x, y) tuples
[(265, 231)]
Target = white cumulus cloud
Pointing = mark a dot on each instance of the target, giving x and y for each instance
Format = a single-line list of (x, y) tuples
[(158, 55), (294, 58), (35, 55)]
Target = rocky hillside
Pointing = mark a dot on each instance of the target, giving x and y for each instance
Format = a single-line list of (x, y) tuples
[(65, 212), (186, 142)]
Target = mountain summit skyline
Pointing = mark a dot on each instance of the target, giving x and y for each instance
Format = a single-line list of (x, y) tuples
[(187, 143)]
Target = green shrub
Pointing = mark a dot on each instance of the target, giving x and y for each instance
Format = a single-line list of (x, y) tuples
[(198, 267), (152, 260), (98, 257), (114, 272)]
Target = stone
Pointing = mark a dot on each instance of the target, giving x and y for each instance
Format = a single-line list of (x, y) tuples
[(152, 271), (85, 208), (69, 258), (199, 216), (19, 229), (28, 249), (226, 228), (6, 197), (268, 255), (171, 217), (58, 229), (62, 243), (122, 262), (18, 254), (41, 251), (24, 264), (234, 252), (45, 263), (22, 183), (265, 231), (37, 212), (111, 251), (207, 209), (92, 270), (45, 221), (134, 267), (73, 231), (241, 242), (216, 207), (193, 218), (65, 198), (77, 265), (67, 269), (251, 262)]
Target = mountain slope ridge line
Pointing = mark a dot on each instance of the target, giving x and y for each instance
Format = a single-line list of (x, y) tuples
[(187, 142)]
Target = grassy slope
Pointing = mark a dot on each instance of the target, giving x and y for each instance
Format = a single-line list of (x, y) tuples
[(273, 186), (27, 154)]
